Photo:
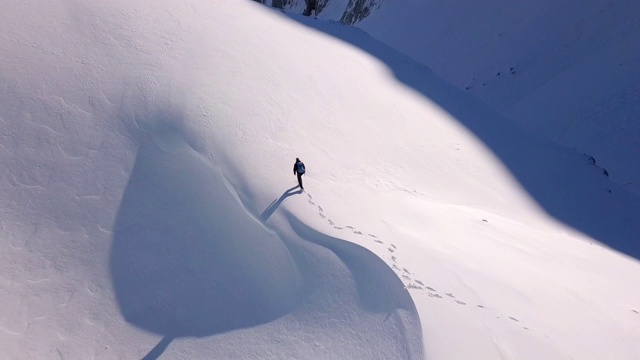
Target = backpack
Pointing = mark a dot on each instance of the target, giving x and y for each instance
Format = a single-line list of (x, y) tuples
[(300, 168)]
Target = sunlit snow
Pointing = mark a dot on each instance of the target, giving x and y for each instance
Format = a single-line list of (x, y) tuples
[(148, 208)]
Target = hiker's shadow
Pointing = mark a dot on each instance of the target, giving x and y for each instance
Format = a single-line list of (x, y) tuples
[(274, 205)]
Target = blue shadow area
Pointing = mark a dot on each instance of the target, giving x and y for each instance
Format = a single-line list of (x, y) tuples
[(187, 259), (565, 184), (379, 288)]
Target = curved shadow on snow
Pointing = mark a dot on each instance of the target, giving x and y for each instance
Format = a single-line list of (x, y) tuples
[(379, 290), (187, 259), (562, 181), (274, 205)]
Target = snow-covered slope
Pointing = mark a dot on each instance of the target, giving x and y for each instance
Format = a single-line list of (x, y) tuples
[(568, 73), (148, 208)]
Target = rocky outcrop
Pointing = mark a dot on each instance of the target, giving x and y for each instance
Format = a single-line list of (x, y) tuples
[(357, 10), (354, 10)]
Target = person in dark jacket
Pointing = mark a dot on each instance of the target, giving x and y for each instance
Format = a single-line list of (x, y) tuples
[(298, 169)]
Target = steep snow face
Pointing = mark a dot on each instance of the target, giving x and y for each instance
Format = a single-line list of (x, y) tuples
[(568, 73), (149, 208), (555, 177), (121, 237), (186, 259)]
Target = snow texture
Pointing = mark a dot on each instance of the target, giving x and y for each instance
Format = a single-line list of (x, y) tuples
[(148, 208)]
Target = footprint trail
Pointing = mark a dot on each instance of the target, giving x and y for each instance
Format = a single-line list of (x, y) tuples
[(407, 277)]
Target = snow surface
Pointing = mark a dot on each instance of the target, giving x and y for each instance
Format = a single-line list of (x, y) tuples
[(148, 209), (567, 72)]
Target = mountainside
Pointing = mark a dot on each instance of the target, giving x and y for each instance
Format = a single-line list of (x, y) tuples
[(569, 73), (148, 207)]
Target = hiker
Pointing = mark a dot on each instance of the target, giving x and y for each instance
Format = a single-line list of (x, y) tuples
[(298, 169), (311, 6)]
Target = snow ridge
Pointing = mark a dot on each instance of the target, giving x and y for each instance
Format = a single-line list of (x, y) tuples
[(148, 207)]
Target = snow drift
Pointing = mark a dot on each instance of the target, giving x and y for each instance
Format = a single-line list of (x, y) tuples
[(186, 259), (148, 208)]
